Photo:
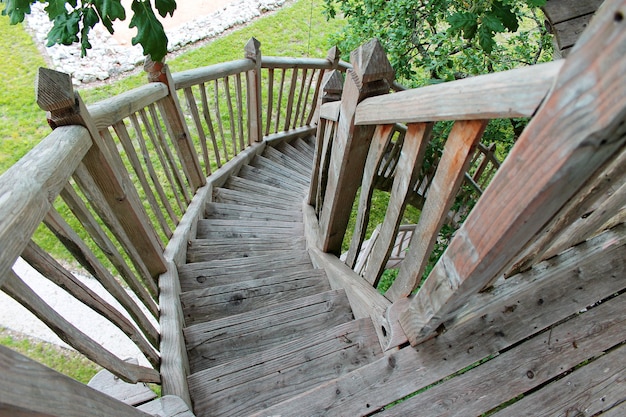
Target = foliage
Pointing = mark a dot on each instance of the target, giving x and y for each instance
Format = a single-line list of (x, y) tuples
[(73, 20), (441, 40)]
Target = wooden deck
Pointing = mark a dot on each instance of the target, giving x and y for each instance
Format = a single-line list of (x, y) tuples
[(267, 336)]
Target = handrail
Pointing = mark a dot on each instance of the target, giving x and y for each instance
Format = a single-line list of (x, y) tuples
[(514, 93), (188, 78)]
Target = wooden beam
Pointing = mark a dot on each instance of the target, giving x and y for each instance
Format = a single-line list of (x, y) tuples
[(29, 187), (253, 91), (515, 93), (578, 129)]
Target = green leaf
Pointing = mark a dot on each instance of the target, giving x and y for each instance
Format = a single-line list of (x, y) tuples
[(90, 18), (486, 39), (16, 10), (150, 33), (536, 3), (492, 23), (64, 29), (55, 8), (110, 10), (506, 15), (165, 6), (462, 21)]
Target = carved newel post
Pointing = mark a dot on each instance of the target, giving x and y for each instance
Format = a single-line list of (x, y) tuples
[(371, 75)]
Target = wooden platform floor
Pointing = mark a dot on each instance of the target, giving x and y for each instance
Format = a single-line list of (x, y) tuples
[(266, 336)]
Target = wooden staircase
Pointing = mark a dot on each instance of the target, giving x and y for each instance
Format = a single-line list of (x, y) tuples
[(263, 325)]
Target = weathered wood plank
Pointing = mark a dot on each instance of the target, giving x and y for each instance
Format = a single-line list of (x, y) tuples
[(560, 10), (67, 332), (288, 62), (29, 388), (524, 367), (227, 229), (618, 410), (515, 93), (378, 147), (233, 211), (228, 196), (204, 274), (295, 154), (200, 250), (575, 140), (268, 378), (216, 302), (286, 161), (195, 115), (167, 406), (189, 78), (270, 178), (407, 171), (30, 186), (231, 338), (253, 92), (591, 271), (254, 187), (262, 162), (448, 178), (592, 389), (131, 394), (567, 33)]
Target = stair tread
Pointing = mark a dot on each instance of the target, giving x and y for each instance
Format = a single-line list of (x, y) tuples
[(234, 211), (253, 186), (260, 161), (200, 250), (223, 229), (226, 271), (270, 178), (286, 160), (225, 195), (225, 300), (304, 147), (230, 338), (295, 154), (261, 380)]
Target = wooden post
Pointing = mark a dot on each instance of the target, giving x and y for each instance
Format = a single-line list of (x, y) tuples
[(332, 86), (371, 75), (175, 123), (579, 128), (255, 123), (56, 95)]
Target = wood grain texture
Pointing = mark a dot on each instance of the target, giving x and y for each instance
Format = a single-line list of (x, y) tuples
[(131, 394), (167, 406), (515, 93), (561, 10), (28, 388), (189, 78), (457, 153), (30, 186), (577, 135)]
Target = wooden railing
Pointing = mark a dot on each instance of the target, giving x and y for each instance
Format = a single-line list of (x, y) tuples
[(119, 186), (556, 188)]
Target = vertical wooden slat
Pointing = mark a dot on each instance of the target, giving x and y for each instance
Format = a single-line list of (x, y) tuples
[(577, 130), (325, 154), (240, 115), (292, 92), (279, 102), (67, 332), (307, 94), (300, 94), (207, 118), (270, 100), (231, 114), (162, 160), (333, 57), (195, 115), (254, 99), (147, 158), (90, 262), (377, 150), (372, 75), (52, 270), (407, 171), (445, 185), (218, 117), (125, 140)]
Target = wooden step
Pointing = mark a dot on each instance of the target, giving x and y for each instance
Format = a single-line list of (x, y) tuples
[(220, 341), (285, 160), (255, 187), (167, 406), (226, 300), (260, 161), (224, 229), (225, 195), (200, 250), (295, 154), (270, 178), (234, 211), (260, 380), (200, 275), (131, 394), (304, 147)]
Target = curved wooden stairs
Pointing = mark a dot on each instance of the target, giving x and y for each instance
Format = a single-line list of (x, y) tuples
[(262, 324)]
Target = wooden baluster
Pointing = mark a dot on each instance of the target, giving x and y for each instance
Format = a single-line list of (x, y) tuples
[(206, 112), (53, 90), (378, 147), (371, 75), (576, 132), (176, 124), (407, 171), (195, 115), (332, 86), (240, 114), (270, 100), (292, 92), (445, 185), (333, 56), (255, 122)]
